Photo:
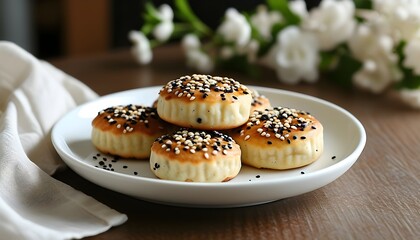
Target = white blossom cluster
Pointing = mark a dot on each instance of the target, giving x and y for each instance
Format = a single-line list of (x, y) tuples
[(295, 51)]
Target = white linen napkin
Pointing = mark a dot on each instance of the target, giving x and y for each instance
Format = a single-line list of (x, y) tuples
[(33, 205)]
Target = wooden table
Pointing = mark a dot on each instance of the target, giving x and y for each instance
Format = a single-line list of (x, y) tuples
[(378, 198)]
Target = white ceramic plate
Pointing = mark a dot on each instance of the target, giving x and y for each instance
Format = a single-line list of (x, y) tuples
[(344, 138)]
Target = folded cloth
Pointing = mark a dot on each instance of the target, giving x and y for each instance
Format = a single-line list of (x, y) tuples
[(33, 205)]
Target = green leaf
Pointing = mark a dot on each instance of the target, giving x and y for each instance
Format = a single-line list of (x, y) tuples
[(327, 60), (239, 63), (410, 79), (345, 67), (150, 17), (147, 28), (363, 4), (185, 12), (283, 7), (151, 12)]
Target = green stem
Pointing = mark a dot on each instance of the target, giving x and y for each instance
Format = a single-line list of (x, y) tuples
[(185, 12)]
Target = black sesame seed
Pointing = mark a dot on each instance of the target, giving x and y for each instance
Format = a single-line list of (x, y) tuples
[(199, 120), (269, 142), (303, 137), (234, 97), (302, 172), (94, 157), (135, 173), (333, 157), (125, 166), (264, 117), (101, 163), (258, 176), (294, 137)]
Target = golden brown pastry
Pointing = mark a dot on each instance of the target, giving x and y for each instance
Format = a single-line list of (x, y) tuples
[(195, 156), (204, 102), (127, 131), (259, 102), (280, 138)]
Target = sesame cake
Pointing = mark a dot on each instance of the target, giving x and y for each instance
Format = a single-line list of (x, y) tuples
[(259, 102), (204, 102), (195, 156), (280, 138), (127, 131)]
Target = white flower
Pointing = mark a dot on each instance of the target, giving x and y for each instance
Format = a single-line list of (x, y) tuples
[(235, 28), (412, 53), (252, 50), (263, 21), (402, 17), (298, 7), (196, 58), (226, 52), (410, 96), (376, 75), (294, 56), (367, 42), (375, 51), (164, 29), (332, 22), (200, 61), (141, 49), (190, 42)]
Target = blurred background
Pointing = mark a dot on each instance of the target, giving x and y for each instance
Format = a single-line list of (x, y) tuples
[(63, 28)]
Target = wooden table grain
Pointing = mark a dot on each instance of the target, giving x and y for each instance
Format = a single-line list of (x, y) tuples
[(378, 198)]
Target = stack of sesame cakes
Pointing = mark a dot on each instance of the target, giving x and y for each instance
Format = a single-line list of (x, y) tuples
[(204, 127)]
